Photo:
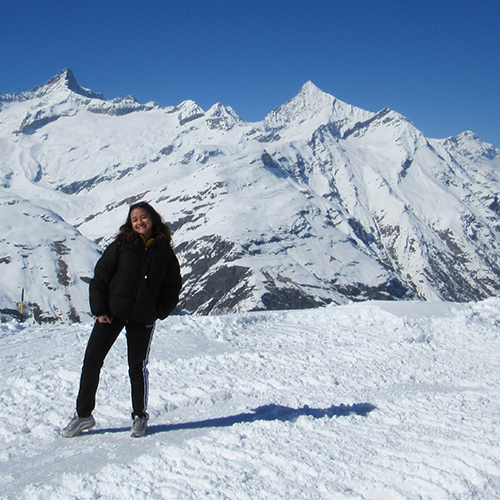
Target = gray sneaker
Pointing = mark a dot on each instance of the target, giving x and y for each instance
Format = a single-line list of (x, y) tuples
[(139, 427), (77, 425)]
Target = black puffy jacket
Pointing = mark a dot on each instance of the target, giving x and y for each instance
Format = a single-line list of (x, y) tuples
[(141, 284)]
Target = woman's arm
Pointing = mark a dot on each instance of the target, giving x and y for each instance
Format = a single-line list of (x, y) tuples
[(170, 287), (99, 285)]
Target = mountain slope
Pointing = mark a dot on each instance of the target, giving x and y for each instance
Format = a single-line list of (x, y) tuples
[(48, 257), (320, 202)]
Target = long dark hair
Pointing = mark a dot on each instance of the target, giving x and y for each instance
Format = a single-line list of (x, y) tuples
[(127, 238)]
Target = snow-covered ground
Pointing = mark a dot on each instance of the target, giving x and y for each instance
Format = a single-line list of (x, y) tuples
[(374, 400)]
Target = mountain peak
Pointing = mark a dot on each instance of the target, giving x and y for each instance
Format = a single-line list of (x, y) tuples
[(470, 145), (68, 78), (222, 117), (313, 103), (65, 80), (313, 98), (310, 89)]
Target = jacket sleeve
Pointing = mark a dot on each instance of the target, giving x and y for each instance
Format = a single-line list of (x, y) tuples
[(99, 285), (170, 288)]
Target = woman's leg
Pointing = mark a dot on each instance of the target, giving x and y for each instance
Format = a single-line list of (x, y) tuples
[(138, 342), (101, 339)]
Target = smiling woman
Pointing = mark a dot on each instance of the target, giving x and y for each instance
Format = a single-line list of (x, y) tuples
[(141, 222), (136, 282)]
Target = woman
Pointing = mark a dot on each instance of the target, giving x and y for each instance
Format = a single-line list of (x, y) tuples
[(136, 281)]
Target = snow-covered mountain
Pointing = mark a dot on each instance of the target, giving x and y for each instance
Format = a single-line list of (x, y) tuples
[(320, 202)]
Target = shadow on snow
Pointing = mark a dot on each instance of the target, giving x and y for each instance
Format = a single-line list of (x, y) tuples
[(266, 412)]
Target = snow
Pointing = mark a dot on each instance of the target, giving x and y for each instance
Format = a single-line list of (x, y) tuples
[(321, 201), (375, 400)]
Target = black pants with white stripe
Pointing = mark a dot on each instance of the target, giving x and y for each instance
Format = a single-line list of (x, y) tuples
[(103, 336)]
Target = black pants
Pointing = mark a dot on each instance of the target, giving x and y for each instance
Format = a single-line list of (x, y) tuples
[(102, 338)]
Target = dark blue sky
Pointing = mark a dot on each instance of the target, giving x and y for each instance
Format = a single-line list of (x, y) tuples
[(436, 62)]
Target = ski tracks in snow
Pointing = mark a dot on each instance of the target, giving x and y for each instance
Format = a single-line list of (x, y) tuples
[(372, 401)]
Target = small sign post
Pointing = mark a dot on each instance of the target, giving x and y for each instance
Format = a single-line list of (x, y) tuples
[(22, 304)]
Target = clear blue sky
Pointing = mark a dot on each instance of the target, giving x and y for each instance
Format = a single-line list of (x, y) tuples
[(436, 62)]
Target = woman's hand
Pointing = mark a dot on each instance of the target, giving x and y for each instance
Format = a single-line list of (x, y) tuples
[(105, 319)]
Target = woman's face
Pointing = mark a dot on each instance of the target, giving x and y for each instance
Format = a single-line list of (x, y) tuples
[(141, 222)]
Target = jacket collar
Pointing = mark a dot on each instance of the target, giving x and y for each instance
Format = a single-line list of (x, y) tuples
[(148, 243)]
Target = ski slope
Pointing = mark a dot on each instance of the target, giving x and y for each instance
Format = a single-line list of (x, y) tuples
[(375, 400)]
